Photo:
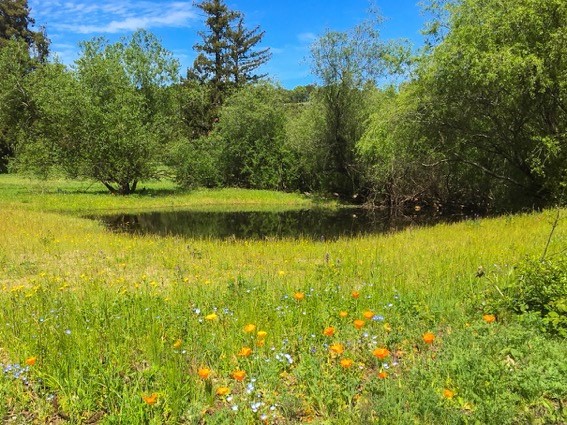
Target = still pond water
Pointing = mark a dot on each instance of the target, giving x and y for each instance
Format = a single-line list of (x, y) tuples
[(315, 224)]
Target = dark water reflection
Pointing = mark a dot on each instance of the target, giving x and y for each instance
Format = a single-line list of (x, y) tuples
[(315, 224)]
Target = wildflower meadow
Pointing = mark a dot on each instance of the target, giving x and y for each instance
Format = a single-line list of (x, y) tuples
[(398, 328)]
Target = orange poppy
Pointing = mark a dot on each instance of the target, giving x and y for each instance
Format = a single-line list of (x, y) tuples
[(346, 363), (222, 391), (249, 328), (30, 361), (448, 394), (337, 348), (381, 353), (368, 314), (204, 372), (428, 337), (299, 296), (358, 323), (239, 375), (488, 318), (150, 399), (329, 331), (245, 352)]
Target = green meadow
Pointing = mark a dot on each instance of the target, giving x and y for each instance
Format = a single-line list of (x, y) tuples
[(400, 328)]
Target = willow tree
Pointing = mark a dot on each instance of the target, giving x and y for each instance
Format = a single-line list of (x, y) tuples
[(108, 119), (348, 65), (495, 98)]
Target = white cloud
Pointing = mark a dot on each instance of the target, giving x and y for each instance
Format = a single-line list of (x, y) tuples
[(307, 37), (108, 16)]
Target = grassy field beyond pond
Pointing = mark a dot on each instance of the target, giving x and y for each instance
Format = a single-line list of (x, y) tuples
[(111, 328)]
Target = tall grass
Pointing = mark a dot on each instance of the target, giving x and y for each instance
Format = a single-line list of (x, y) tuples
[(124, 329)]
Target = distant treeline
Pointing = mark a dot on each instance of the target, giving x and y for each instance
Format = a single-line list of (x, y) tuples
[(476, 118)]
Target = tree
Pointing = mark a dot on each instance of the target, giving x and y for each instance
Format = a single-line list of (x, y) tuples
[(15, 65), (495, 99), (109, 119), (243, 59), (20, 50), (211, 65), (227, 56), (15, 21), (251, 130), (348, 64)]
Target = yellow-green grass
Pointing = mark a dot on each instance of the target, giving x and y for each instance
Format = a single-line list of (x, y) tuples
[(111, 318), (84, 197), (432, 261)]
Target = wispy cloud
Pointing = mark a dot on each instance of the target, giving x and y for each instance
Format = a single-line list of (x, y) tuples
[(307, 37), (111, 17)]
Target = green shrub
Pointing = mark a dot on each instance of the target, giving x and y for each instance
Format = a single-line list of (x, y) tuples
[(196, 162), (540, 287)]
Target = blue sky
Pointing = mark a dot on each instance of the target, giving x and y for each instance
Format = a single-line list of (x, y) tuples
[(290, 25)]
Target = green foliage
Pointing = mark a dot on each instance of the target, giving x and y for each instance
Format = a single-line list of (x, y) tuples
[(305, 133), (539, 287), (392, 153), (110, 120), (197, 162), (494, 98), (251, 129), (197, 112), (15, 65), (348, 64)]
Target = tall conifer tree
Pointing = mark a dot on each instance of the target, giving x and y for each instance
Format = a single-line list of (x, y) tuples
[(15, 21), (244, 60), (227, 56)]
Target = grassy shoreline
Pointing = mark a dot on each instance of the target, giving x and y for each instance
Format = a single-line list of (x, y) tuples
[(105, 323), (85, 197)]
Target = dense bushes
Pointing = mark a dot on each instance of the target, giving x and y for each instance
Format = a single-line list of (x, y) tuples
[(478, 119), (540, 288)]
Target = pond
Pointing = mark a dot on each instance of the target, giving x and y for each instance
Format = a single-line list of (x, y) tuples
[(314, 224)]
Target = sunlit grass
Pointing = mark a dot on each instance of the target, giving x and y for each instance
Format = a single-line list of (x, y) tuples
[(88, 197), (114, 328)]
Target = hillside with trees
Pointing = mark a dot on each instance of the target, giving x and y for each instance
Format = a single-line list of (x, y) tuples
[(476, 119)]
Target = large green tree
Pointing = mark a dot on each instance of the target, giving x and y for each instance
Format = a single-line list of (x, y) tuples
[(251, 131), (15, 23), (20, 50), (348, 65), (109, 119), (495, 97), (15, 65), (228, 55)]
